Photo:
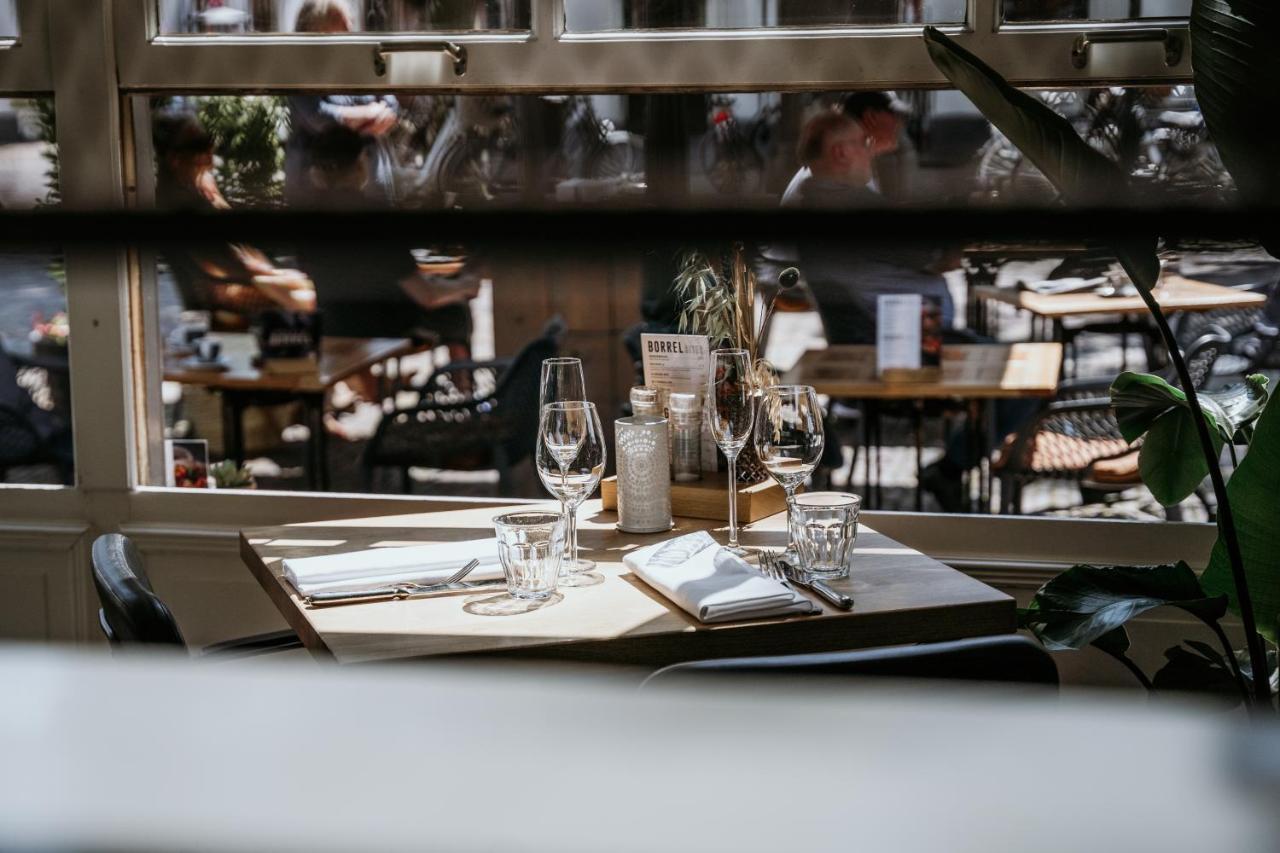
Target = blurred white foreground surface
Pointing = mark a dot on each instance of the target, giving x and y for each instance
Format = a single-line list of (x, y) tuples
[(161, 753)]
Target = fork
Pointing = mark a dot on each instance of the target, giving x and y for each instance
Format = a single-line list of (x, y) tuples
[(399, 590), (789, 576)]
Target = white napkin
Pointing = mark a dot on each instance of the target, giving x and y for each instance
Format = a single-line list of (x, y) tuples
[(385, 566), (712, 584)]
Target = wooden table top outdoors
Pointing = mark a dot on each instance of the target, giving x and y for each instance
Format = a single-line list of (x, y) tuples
[(971, 371), (339, 358), (901, 596), (1175, 294)]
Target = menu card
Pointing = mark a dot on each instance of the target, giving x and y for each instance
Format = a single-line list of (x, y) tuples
[(908, 337), (680, 363)]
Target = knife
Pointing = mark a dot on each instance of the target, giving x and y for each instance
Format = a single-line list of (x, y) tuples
[(398, 591), (819, 587)]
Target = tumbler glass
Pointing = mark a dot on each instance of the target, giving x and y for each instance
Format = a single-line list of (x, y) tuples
[(531, 546), (824, 528)]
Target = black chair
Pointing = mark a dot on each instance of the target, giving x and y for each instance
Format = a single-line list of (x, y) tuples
[(132, 614), (470, 416), (29, 435), (1007, 658)]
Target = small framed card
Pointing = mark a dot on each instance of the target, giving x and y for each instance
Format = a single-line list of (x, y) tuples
[(186, 464), (680, 363)]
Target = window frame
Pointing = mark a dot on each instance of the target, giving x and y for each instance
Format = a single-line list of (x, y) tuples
[(118, 54)]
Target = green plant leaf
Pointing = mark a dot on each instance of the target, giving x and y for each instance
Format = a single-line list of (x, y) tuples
[(1138, 399), (1083, 176), (1085, 603), (1241, 403), (1198, 668), (1236, 67), (1254, 492), (1170, 461)]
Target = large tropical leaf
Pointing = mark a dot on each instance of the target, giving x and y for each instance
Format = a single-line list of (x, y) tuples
[(1241, 402), (1171, 462), (1083, 176), (1138, 399), (1086, 603), (1237, 76), (1254, 491), (1199, 668)]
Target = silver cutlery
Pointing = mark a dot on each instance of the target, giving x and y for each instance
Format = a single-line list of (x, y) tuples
[(406, 589), (820, 587)]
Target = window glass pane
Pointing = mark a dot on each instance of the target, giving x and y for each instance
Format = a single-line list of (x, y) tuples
[(35, 386), (339, 16), (1094, 10), (426, 151), (28, 153), (8, 18), (594, 16)]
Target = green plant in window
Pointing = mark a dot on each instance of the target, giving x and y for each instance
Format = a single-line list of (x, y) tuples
[(248, 133), (1236, 69)]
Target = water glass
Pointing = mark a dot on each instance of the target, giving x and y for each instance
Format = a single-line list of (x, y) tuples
[(531, 546), (824, 528)]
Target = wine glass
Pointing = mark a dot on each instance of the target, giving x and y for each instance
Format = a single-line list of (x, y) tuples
[(730, 407), (561, 381), (570, 459), (789, 438)]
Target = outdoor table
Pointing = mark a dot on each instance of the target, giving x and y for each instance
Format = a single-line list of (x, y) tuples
[(976, 373), (901, 596), (1176, 293), (244, 384)]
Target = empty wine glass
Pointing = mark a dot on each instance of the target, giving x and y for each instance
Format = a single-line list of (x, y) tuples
[(561, 381), (730, 406), (570, 459), (789, 438)]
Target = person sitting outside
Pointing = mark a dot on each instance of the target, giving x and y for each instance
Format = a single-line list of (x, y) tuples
[(232, 281)]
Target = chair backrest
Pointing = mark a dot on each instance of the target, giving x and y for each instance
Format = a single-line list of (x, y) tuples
[(1007, 658), (517, 391), (131, 612)]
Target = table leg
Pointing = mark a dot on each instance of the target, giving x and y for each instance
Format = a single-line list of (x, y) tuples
[(918, 425), (317, 444), (989, 437), (233, 427), (975, 453)]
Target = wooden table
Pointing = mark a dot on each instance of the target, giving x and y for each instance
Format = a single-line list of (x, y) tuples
[(976, 373), (902, 597), (1174, 294), (244, 384)]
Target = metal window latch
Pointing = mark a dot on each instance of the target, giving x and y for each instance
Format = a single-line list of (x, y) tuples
[(456, 52), (1172, 43)]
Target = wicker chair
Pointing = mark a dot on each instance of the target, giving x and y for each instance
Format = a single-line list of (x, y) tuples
[(1075, 437), (471, 416), (1253, 331)]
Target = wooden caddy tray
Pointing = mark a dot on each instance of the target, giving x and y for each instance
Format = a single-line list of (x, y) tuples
[(708, 498)]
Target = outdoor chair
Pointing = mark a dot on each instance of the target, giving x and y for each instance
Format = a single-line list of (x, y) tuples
[(471, 416), (1009, 658), (29, 435), (1253, 332), (1076, 437), (132, 614)]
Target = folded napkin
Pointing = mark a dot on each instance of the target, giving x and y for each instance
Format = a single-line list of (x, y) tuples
[(384, 566), (712, 584)]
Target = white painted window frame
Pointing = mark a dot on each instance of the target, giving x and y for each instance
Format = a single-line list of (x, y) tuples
[(117, 52)]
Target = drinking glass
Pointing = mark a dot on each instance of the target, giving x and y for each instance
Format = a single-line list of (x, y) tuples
[(561, 381), (731, 406), (570, 458), (531, 548), (824, 527), (789, 439)]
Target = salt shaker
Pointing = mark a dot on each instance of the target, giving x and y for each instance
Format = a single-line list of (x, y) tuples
[(644, 485), (686, 437)]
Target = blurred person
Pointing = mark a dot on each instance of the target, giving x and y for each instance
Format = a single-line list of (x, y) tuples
[(371, 116), (232, 280), (881, 117), (377, 289)]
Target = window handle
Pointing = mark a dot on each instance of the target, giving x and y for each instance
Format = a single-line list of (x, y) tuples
[(456, 52), (1172, 43)]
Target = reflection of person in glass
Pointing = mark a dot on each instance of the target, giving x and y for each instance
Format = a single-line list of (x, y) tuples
[(233, 280), (371, 116)]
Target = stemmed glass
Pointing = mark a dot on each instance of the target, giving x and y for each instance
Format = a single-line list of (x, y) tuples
[(789, 439), (730, 407), (562, 381), (570, 458)]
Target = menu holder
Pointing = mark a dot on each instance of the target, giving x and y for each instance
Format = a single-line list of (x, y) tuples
[(705, 499), (908, 338)]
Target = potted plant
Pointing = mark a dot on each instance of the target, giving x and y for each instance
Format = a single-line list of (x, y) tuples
[(1236, 69)]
